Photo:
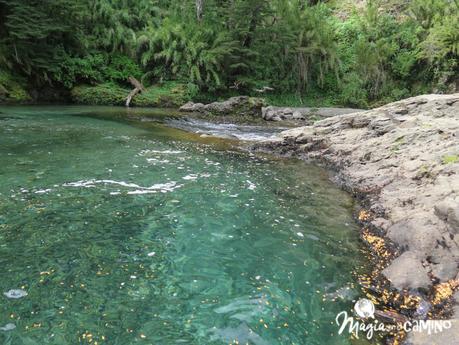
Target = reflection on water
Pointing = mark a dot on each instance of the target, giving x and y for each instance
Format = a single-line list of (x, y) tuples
[(125, 234)]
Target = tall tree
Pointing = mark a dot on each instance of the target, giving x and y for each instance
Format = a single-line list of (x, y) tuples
[(39, 32)]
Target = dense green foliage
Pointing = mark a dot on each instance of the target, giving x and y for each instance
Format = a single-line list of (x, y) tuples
[(307, 51), (169, 94)]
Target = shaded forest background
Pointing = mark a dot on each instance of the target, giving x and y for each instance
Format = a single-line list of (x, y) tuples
[(355, 53)]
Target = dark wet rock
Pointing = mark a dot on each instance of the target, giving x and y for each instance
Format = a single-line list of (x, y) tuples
[(392, 317), (381, 125), (344, 293), (240, 105)]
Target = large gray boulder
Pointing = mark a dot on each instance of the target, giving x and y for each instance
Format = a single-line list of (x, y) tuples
[(240, 105)]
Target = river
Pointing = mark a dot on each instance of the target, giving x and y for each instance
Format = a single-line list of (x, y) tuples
[(123, 230)]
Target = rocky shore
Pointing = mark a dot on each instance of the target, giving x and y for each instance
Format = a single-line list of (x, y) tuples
[(240, 105), (402, 161), (308, 115), (256, 108)]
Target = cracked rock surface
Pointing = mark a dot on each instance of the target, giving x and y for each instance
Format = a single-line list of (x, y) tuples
[(307, 115), (404, 159)]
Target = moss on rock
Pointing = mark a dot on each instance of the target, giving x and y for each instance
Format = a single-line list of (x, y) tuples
[(12, 90)]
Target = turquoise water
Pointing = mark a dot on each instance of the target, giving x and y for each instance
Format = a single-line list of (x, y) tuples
[(133, 233)]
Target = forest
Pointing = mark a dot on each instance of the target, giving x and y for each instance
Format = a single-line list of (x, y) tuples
[(293, 52)]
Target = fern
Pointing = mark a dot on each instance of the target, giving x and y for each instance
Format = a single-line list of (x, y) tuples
[(193, 53)]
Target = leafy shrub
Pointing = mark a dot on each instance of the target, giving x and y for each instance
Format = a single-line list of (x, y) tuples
[(97, 68), (169, 94), (13, 89), (166, 95), (192, 53), (103, 94)]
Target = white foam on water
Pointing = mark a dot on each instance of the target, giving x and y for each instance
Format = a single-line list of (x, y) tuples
[(159, 187), (168, 152), (190, 177), (154, 160), (43, 191), (251, 185)]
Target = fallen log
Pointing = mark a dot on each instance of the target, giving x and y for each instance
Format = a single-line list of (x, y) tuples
[(138, 87)]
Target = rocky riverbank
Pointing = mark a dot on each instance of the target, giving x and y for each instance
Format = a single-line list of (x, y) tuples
[(256, 109), (402, 161), (240, 105), (306, 115)]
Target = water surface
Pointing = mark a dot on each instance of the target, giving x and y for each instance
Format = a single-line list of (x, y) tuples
[(128, 232)]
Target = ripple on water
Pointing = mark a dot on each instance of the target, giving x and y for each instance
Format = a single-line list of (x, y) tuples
[(158, 187), (123, 236)]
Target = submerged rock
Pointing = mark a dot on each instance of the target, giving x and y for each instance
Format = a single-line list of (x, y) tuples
[(15, 293), (423, 309), (8, 327), (240, 105)]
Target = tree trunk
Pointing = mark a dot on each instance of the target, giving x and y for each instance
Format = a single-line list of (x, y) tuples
[(138, 87), (199, 9)]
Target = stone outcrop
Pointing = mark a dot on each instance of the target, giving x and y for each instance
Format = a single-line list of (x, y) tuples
[(309, 115), (403, 159), (240, 105)]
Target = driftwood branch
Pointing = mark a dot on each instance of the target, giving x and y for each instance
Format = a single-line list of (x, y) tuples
[(138, 87)]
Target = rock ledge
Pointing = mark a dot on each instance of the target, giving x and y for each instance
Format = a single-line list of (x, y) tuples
[(240, 105), (403, 159), (309, 115)]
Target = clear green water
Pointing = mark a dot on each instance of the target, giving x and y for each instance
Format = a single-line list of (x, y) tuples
[(125, 234)]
